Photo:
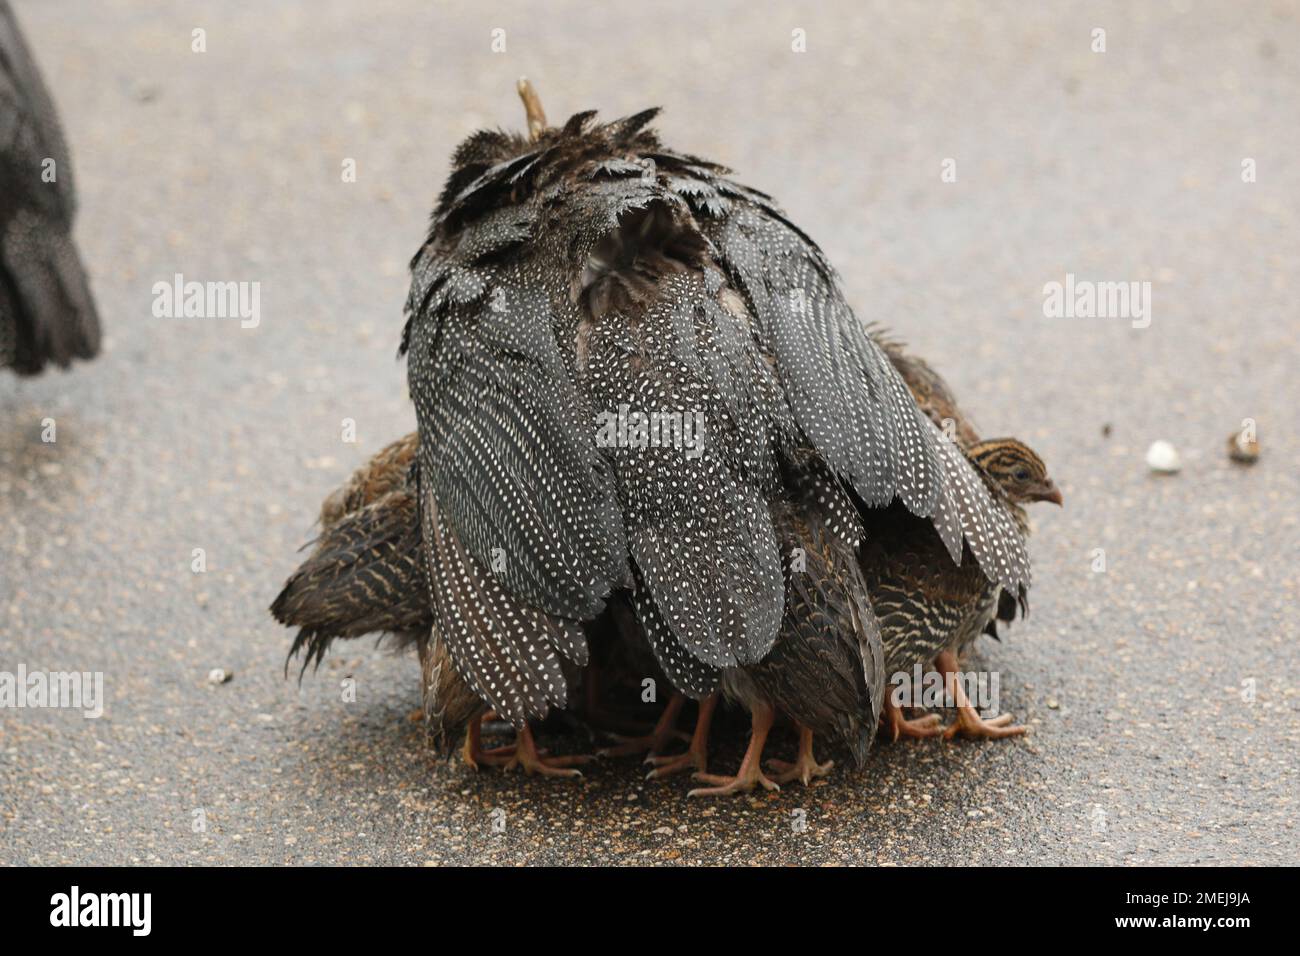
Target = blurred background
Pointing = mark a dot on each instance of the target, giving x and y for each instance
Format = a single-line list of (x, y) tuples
[(225, 165)]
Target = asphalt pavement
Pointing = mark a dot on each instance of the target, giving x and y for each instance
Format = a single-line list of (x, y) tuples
[(1160, 692)]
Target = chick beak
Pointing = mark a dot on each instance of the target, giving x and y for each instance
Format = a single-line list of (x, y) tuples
[(1051, 493)]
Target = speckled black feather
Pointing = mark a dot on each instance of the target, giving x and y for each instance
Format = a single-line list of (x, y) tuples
[(594, 270)]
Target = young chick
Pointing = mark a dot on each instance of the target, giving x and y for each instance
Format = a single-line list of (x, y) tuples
[(826, 669), (933, 609)]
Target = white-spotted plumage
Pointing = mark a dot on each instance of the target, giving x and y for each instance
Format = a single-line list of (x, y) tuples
[(592, 269)]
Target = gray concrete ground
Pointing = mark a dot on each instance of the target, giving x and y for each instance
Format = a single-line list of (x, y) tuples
[(225, 165)]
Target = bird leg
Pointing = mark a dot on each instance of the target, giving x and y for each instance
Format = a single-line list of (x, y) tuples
[(474, 754), (750, 773), (523, 753), (655, 741), (805, 766), (927, 726), (969, 721), (697, 754)]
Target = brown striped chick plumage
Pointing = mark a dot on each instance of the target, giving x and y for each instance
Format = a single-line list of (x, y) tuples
[(931, 609), (365, 574)]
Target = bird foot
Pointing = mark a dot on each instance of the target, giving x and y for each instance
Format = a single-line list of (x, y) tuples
[(524, 754), (743, 782), (929, 725), (969, 721), (804, 769), (971, 724), (655, 740), (697, 753), (653, 743), (498, 756), (546, 766), (750, 773), (695, 758)]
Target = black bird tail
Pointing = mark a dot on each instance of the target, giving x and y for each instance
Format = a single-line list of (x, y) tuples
[(47, 313)]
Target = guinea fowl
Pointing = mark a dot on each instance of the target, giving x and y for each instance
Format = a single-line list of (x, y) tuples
[(47, 313), (588, 274), (825, 670), (931, 609)]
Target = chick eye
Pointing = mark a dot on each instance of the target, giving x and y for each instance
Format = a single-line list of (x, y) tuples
[(1022, 474)]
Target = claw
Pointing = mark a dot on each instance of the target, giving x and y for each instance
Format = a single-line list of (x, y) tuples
[(656, 740), (727, 786), (750, 773), (696, 755), (927, 726), (523, 753), (969, 721), (971, 724), (805, 766)]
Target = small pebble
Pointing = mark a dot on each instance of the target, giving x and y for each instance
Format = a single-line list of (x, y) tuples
[(1162, 458), (1243, 450), (219, 675)]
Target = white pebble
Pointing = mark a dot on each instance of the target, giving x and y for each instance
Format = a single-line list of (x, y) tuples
[(1162, 457), (219, 675)]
